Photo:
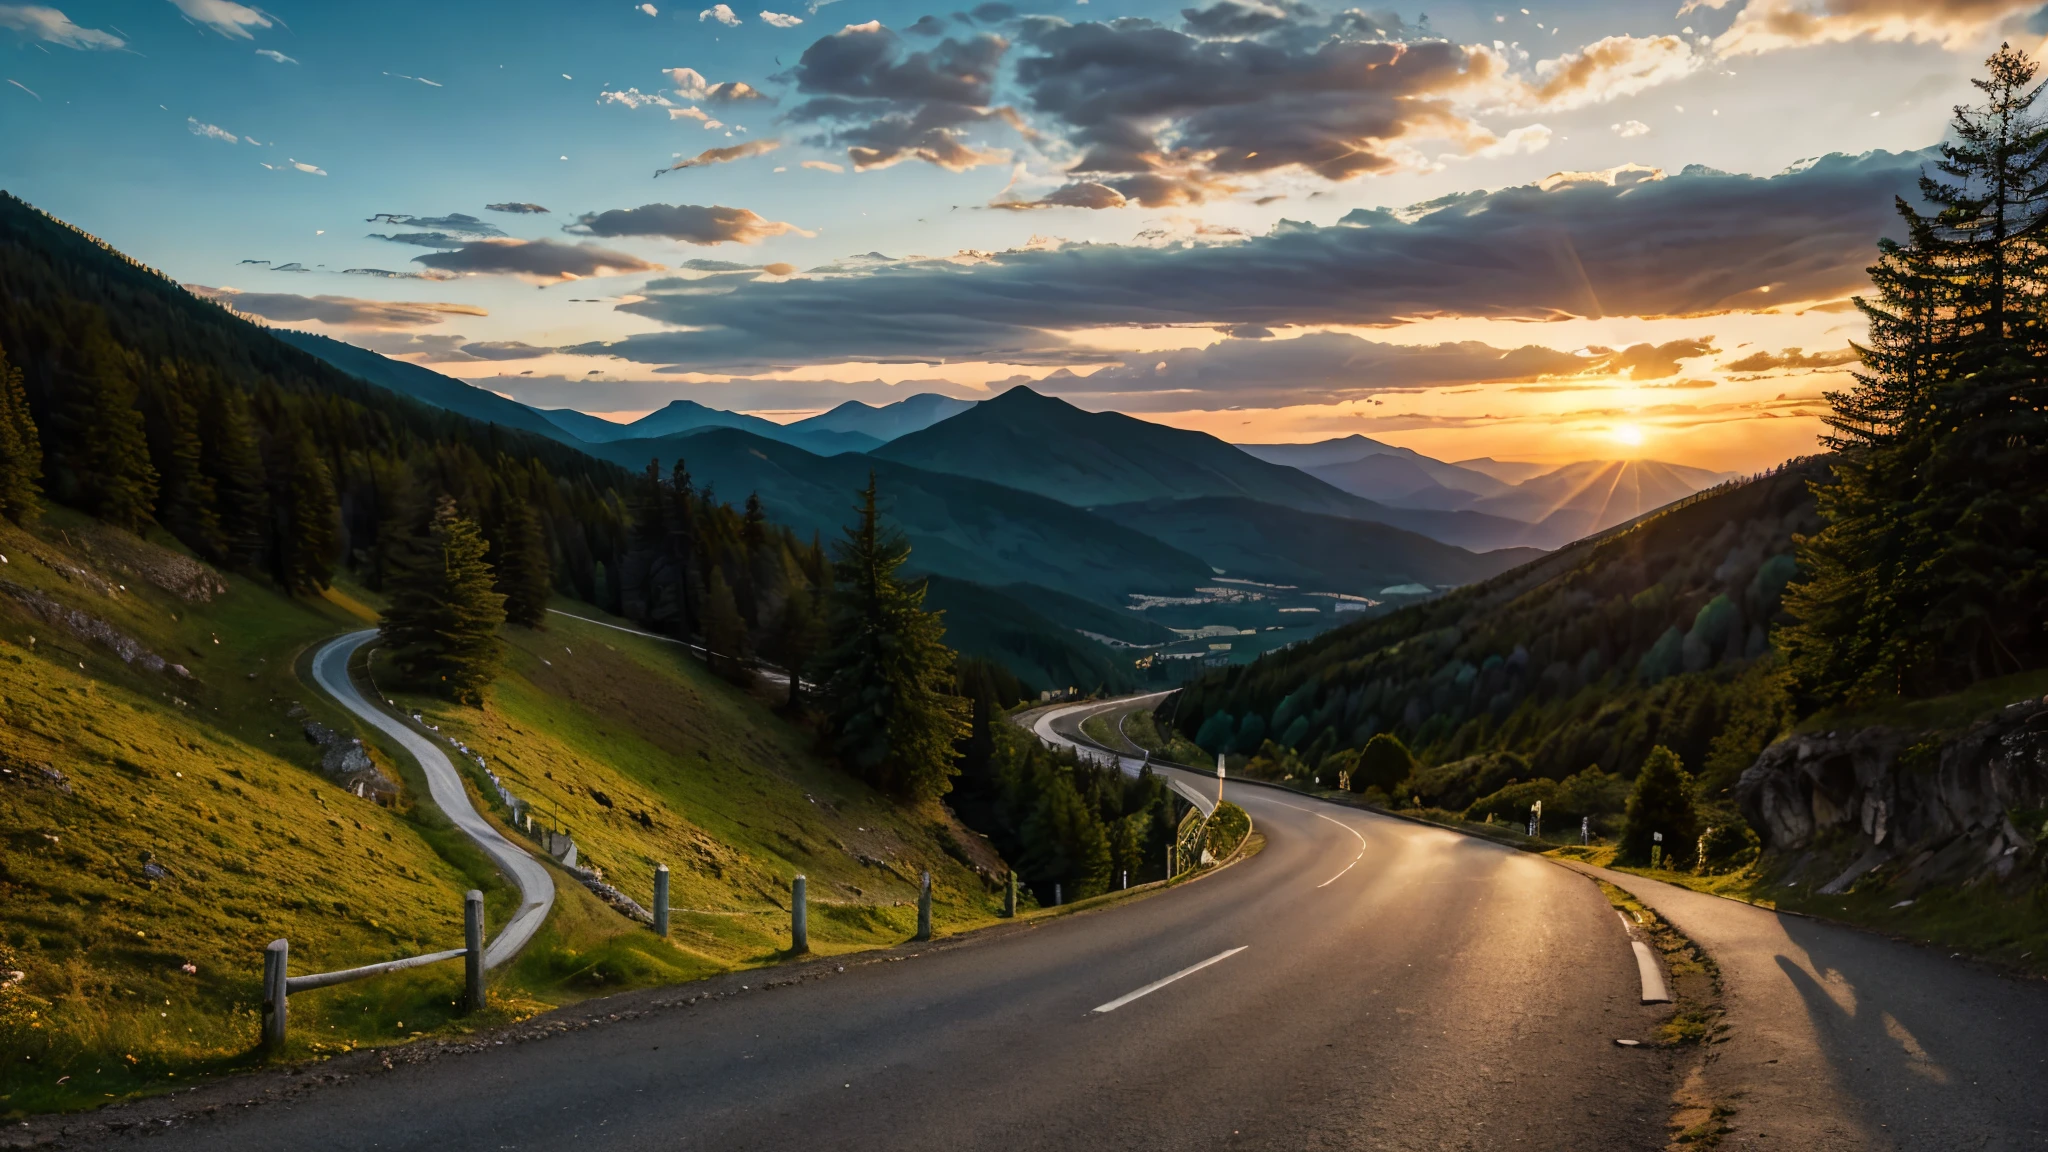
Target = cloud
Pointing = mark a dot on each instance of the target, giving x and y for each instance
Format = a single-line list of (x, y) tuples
[(342, 311), (1793, 358), (540, 261), (210, 131), (650, 9), (725, 155), (692, 86), (884, 103), (1083, 194), (780, 20), (388, 274), (517, 208), (441, 240), (1609, 69), (1166, 116), (274, 54), (1775, 25), (295, 166), (1653, 361), (739, 394), (456, 223), (720, 12), (697, 114), (635, 98), (1318, 368), (1697, 243), (504, 350), (824, 166), (225, 17), (690, 223), (54, 27), (1630, 129)]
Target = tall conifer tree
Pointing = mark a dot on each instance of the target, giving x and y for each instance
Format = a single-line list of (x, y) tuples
[(525, 571), (887, 675), (442, 626), (21, 449), (1932, 569)]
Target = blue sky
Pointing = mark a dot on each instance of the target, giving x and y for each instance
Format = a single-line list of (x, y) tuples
[(175, 130)]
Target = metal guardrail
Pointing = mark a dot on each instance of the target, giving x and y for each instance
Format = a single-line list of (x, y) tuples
[(278, 985)]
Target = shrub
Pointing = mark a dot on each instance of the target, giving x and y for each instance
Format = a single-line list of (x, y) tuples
[(1384, 763), (1661, 802)]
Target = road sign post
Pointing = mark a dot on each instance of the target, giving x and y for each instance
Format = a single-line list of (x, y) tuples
[(924, 908), (473, 943), (799, 926), (661, 900), (1656, 850)]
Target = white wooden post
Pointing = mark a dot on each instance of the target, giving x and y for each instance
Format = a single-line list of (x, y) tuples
[(274, 963), (661, 900), (799, 927)]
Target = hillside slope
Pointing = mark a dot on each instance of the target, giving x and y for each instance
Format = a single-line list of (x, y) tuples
[(154, 819), (1590, 655)]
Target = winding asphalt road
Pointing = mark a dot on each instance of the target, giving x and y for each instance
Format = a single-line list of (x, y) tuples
[(1362, 982), (444, 784)]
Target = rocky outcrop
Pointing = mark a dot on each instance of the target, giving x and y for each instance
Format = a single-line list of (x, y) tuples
[(1917, 808), (345, 759), (86, 626)]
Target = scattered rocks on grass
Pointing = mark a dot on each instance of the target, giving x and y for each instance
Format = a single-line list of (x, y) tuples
[(348, 762), (89, 627)]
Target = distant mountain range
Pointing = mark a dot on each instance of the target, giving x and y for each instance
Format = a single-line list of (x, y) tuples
[(1042, 520), (1560, 504)]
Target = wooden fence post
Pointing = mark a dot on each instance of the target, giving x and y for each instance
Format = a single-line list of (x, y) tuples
[(799, 926), (473, 939), (274, 963), (924, 908), (1010, 897), (661, 900)]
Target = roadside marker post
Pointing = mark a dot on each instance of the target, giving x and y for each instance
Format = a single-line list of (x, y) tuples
[(924, 908), (1656, 850), (274, 997), (1585, 830), (661, 900), (1219, 778), (1057, 900), (1010, 896), (799, 925), (473, 940)]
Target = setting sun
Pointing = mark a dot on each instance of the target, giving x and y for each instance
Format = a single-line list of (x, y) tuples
[(1629, 434)]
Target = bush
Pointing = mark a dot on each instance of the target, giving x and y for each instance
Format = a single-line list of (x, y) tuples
[(1384, 763), (1729, 846), (1228, 827), (1661, 802), (1512, 803)]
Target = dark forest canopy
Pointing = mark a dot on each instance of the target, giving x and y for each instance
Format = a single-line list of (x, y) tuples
[(154, 406)]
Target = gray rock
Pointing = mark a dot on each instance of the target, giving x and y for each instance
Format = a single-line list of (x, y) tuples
[(1932, 808)]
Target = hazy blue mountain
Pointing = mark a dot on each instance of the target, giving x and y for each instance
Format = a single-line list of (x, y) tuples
[(1366, 467), (958, 526), (1268, 543), (1579, 499), (1042, 444), (1505, 471), (582, 425), (887, 422), (425, 385)]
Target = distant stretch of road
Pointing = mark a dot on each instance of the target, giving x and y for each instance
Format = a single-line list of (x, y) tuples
[(444, 784), (1362, 982)]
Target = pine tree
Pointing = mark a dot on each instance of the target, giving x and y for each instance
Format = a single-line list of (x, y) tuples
[(1661, 802), (308, 519), (233, 463), (443, 621), (794, 643), (186, 500), (725, 634), (21, 450), (887, 675), (525, 572), (104, 466), (1932, 568)]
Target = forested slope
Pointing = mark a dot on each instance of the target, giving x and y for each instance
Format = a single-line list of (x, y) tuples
[(1589, 656)]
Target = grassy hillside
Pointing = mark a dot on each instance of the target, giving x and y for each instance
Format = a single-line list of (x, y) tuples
[(1247, 538), (153, 821), (1589, 656)]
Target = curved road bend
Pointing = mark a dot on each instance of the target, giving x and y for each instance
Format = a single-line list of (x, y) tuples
[(1839, 1040), (1398, 987), (536, 886)]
